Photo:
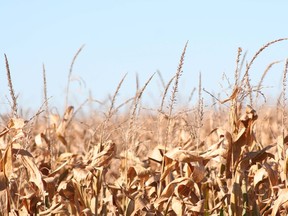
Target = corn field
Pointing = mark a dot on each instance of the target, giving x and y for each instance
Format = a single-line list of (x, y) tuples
[(229, 158)]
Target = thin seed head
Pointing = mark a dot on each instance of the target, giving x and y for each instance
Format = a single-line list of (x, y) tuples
[(11, 89)]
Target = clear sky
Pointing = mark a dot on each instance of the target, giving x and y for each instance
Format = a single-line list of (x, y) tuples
[(134, 37)]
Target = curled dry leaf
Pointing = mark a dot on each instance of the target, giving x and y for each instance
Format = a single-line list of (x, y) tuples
[(249, 117), (221, 151), (138, 171), (33, 171), (173, 186), (246, 136), (251, 158), (176, 155), (220, 148), (103, 157), (282, 198)]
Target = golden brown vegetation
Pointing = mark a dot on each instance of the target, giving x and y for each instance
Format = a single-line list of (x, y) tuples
[(232, 160)]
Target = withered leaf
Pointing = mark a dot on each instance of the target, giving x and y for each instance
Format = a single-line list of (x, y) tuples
[(282, 198), (33, 171)]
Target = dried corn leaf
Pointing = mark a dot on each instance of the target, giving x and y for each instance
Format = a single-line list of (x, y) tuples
[(42, 140), (137, 205), (215, 150), (4, 199), (139, 172), (221, 150), (103, 157), (225, 150), (152, 180), (16, 123), (251, 158), (15, 126), (66, 189), (176, 155), (54, 120), (272, 173), (177, 206), (170, 188), (62, 140), (14, 212), (33, 171), (219, 205), (21, 212), (199, 173), (7, 162), (198, 208), (80, 175), (240, 141), (58, 169), (184, 190), (259, 176), (4, 132), (245, 137), (49, 185), (67, 156), (236, 205), (183, 156), (38, 140), (249, 116), (280, 147), (66, 118), (156, 155), (169, 167), (285, 166), (151, 192), (282, 198), (3, 181), (86, 212), (56, 208)]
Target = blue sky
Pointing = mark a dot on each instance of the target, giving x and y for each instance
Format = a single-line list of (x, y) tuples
[(134, 37)]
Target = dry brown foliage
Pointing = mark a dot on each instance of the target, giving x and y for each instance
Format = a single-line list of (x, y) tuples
[(228, 161)]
